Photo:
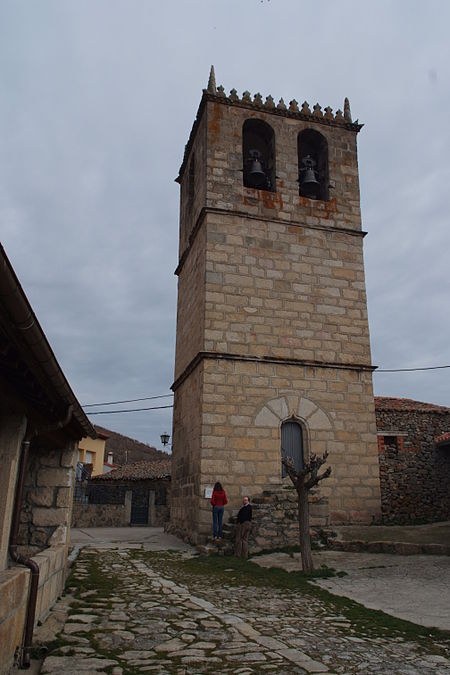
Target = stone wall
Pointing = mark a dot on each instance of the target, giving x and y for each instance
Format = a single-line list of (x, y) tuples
[(103, 509), (101, 515), (14, 585), (275, 519), (46, 512), (414, 473)]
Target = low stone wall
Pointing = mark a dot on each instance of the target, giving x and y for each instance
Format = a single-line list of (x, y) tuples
[(14, 586), (116, 515), (275, 519), (101, 515)]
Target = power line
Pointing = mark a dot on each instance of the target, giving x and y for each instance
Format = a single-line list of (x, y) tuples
[(129, 400), (162, 407), (408, 370), (114, 412)]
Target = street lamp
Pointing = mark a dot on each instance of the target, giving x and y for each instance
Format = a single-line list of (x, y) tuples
[(165, 438)]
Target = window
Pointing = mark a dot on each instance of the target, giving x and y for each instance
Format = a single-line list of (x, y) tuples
[(258, 155), (313, 178), (292, 444)]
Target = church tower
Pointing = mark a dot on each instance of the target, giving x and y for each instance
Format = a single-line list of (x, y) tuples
[(272, 350)]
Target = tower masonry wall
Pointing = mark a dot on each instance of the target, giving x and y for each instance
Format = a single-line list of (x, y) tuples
[(191, 305), (186, 456), (193, 185), (244, 404), (285, 291), (272, 320), (224, 170)]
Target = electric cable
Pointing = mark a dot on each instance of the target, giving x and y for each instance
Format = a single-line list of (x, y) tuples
[(128, 400), (115, 412), (162, 407), (408, 370)]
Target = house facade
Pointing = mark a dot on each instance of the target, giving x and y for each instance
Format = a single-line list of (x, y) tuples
[(92, 451), (41, 423), (414, 460), (133, 494)]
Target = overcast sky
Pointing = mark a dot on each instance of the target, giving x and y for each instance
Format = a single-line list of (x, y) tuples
[(97, 98)]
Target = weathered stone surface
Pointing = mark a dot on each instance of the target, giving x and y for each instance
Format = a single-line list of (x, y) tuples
[(414, 473), (63, 664), (263, 629)]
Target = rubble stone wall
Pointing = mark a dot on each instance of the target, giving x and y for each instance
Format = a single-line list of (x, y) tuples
[(106, 512), (47, 507), (275, 519), (414, 473)]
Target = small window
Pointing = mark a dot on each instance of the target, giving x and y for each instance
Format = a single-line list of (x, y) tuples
[(292, 445), (313, 165), (258, 154)]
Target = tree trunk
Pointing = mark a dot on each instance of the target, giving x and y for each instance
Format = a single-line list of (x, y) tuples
[(303, 526)]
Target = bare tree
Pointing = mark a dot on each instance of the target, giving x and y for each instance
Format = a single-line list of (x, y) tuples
[(304, 480)]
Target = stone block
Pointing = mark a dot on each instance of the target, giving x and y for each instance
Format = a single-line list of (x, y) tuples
[(64, 497), (54, 477), (47, 517), (266, 418), (41, 496), (68, 457), (13, 597)]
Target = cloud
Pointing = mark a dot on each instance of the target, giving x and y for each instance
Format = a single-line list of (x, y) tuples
[(98, 101)]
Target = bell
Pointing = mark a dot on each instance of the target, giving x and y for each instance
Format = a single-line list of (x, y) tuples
[(309, 185), (256, 176)]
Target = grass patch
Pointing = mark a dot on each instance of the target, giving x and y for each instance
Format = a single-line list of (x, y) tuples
[(95, 579)]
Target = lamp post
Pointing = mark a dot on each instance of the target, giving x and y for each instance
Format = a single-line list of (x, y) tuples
[(165, 438)]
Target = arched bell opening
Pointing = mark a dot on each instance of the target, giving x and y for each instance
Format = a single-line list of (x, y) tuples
[(312, 150), (258, 154), (292, 445)]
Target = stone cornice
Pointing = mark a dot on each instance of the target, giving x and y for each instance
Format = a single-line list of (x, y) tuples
[(212, 94), (229, 213), (221, 356)]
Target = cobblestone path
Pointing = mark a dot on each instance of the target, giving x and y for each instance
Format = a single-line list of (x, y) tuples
[(133, 611)]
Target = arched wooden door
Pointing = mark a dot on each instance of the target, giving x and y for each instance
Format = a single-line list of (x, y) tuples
[(292, 444)]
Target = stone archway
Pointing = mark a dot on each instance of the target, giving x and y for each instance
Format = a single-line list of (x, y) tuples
[(275, 411)]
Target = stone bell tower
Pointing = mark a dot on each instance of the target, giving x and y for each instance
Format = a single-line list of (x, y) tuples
[(272, 350)]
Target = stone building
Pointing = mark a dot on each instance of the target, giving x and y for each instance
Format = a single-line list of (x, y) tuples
[(41, 422), (133, 494), (272, 350), (414, 455)]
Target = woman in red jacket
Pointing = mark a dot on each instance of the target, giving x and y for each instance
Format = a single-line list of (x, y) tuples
[(218, 501)]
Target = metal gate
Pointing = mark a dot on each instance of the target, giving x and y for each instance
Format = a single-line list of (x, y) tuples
[(292, 444), (139, 507)]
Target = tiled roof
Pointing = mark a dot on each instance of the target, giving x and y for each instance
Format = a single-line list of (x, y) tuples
[(139, 471), (407, 404), (443, 439)]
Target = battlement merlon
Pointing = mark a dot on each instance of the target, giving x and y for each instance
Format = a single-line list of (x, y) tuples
[(293, 111)]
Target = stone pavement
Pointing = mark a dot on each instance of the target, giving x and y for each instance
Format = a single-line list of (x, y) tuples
[(432, 538), (151, 538), (133, 610), (414, 588)]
